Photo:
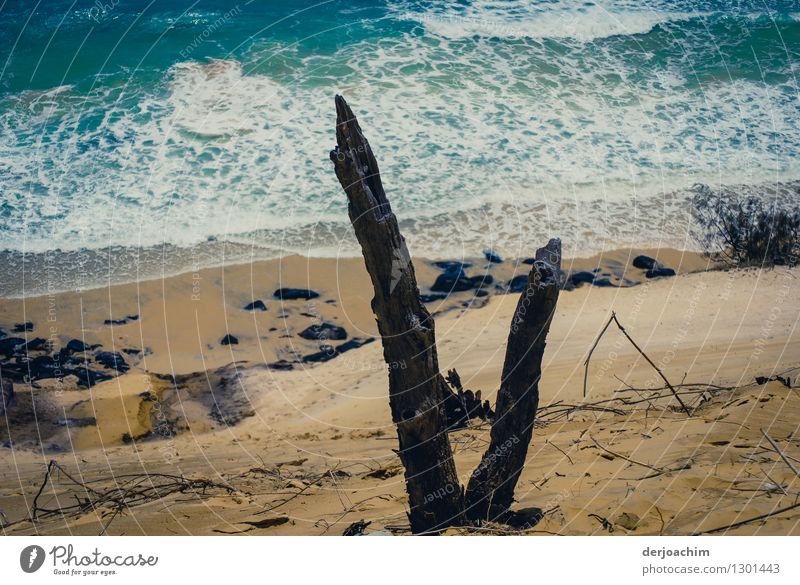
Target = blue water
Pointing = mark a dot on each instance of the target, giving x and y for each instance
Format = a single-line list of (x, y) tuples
[(128, 124)]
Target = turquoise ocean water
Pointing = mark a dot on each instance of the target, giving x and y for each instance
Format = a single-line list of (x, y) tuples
[(139, 138)]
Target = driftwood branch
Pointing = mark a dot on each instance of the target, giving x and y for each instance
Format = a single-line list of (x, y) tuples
[(128, 491), (748, 520), (416, 387), (613, 319), (781, 453), (491, 488)]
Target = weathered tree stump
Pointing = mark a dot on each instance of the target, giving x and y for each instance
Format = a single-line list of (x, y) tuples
[(491, 488), (416, 387), (423, 405)]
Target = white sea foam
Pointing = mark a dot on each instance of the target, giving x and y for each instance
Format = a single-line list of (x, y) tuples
[(511, 141), (569, 19)]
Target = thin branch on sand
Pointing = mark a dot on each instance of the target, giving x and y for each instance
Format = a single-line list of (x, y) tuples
[(658, 471), (781, 453), (628, 459), (614, 319), (748, 520), (129, 490)]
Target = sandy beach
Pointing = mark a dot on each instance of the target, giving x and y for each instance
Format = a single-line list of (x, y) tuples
[(279, 434)]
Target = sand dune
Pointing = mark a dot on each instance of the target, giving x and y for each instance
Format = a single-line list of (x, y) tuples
[(308, 450)]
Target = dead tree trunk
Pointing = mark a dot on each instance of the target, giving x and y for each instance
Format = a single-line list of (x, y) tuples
[(491, 488), (417, 390), (409, 345)]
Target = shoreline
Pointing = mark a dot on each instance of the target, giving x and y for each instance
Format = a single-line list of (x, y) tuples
[(197, 309), (125, 263), (598, 225)]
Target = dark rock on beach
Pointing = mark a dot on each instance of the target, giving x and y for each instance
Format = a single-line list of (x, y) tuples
[(452, 266), (293, 294), (645, 262), (517, 284), (124, 321), (452, 282), (492, 256), (9, 345), (42, 367), (659, 271), (78, 346), (112, 360), (602, 282), (229, 340), (325, 353), (37, 344), (481, 281), (88, 378), (328, 352), (63, 364), (323, 331), (282, 365), (583, 277), (256, 306), (459, 281), (22, 327)]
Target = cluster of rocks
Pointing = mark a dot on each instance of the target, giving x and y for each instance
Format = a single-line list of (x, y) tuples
[(123, 321), (283, 294), (35, 359), (328, 352), (653, 267), (595, 278), (321, 332), (454, 277), (294, 294)]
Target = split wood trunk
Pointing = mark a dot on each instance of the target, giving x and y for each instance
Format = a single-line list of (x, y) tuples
[(490, 490), (417, 390)]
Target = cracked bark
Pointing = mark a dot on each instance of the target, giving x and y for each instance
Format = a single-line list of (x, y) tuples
[(490, 491), (416, 387)]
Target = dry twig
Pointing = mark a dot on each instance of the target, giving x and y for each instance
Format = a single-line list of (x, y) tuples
[(614, 319)]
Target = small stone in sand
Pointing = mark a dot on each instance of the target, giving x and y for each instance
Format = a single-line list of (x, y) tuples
[(645, 262), (323, 331), (77, 346), (292, 294), (112, 360), (256, 305), (492, 256), (660, 271), (123, 321)]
